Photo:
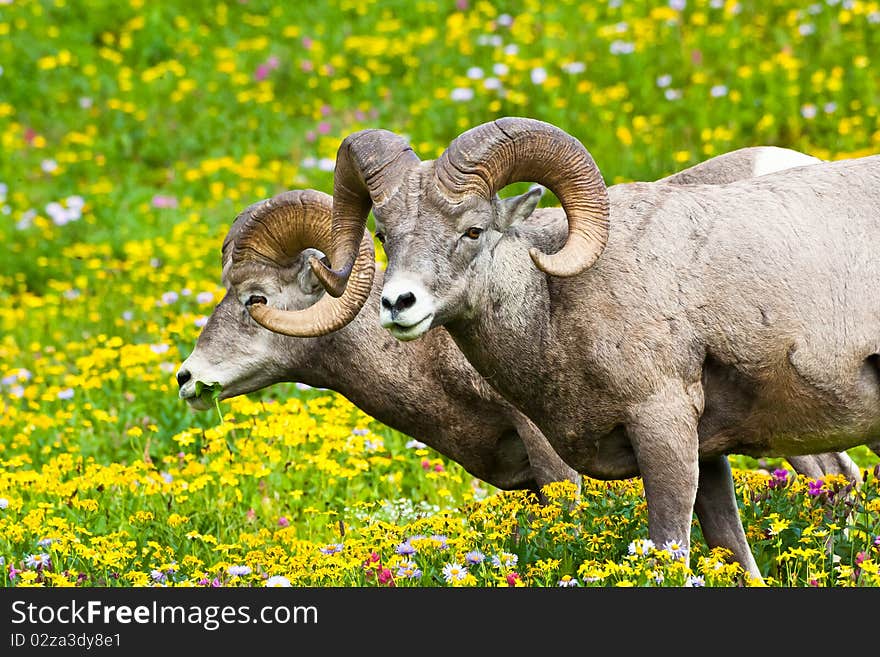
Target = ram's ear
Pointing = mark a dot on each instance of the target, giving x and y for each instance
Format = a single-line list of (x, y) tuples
[(509, 211), (306, 279)]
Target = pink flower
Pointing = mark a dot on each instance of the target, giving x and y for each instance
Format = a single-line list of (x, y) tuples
[(307, 66), (162, 201), (283, 522), (273, 62), (512, 579), (385, 577), (261, 73), (461, 5), (426, 464), (307, 43), (438, 467), (251, 514), (323, 127)]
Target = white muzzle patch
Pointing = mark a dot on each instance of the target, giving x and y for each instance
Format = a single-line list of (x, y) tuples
[(195, 370), (407, 308)]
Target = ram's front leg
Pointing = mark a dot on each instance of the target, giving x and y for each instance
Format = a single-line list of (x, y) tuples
[(663, 432), (719, 514)]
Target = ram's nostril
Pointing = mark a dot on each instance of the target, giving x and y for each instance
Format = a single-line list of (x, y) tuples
[(183, 376), (386, 303), (404, 301)]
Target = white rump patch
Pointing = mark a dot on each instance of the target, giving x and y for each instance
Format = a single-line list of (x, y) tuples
[(773, 158)]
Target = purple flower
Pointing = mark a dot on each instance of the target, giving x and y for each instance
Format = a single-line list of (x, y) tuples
[(475, 557), (815, 488), (331, 548), (38, 561), (409, 569), (505, 560), (877, 541), (675, 548), (779, 478), (67, 393), (283, 522), (405, 549), (204, 297), (261, 73)]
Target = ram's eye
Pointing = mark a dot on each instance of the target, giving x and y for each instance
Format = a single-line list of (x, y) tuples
[(380, 237), (473, 232), (255, 299)]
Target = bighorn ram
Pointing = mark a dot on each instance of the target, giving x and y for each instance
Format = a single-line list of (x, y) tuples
[(673, 325), (440, 399)]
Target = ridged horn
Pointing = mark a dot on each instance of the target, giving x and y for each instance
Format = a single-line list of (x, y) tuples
[(278, 229), (369, 167), (486, 158)]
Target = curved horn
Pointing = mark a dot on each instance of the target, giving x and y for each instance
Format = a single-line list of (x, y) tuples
[(369, 167), (278, 229), (486, 158)]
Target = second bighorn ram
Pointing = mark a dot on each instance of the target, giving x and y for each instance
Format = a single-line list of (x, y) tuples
[(673, 325)]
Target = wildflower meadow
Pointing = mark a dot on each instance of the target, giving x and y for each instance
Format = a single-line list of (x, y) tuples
[(133, 131)]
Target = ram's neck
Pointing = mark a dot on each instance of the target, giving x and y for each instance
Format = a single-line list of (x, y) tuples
[(389, 380), (507, 334)]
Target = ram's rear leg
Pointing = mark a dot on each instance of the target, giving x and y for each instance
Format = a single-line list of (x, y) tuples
[(816, 466), (718, 513)]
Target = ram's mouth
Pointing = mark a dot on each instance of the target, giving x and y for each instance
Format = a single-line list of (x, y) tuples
[(205, 396), (412, 331)]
